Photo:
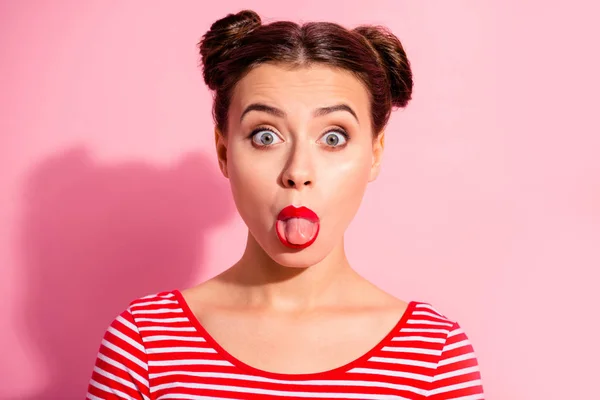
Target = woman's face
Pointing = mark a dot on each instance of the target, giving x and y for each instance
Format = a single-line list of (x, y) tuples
[(299, 137)]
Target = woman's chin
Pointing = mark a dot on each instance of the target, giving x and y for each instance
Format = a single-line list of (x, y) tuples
[(287, 255), (300, 260)]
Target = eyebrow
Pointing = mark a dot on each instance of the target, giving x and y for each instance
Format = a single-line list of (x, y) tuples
[(319, 112)]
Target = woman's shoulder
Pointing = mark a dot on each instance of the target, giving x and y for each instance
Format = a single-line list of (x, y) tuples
[(428, 311), (456, 363), (428, 317), (122, 358), (456, 348), (154, 299), (154, 305)]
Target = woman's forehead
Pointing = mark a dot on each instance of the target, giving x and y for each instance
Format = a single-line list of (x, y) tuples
[(315, 84)]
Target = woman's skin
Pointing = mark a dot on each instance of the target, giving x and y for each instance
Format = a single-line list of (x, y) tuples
[(280, 309)]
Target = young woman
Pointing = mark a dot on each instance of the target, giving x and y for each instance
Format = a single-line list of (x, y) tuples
[(300, 113)]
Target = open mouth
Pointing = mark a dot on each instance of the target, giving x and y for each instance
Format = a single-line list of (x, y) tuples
[(297, 227)]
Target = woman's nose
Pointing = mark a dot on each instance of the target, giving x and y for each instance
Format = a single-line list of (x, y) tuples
[(299, 171)]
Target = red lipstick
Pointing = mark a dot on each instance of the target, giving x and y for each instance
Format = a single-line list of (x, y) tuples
[(304, 213)]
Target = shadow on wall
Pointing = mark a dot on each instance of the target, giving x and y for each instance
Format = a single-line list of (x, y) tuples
[(94, 237)]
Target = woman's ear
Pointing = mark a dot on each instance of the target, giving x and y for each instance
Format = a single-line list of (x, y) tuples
[(221, 146), (378, 145)]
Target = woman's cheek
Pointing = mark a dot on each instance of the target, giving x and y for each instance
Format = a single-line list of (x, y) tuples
[(348, 178), (252, 186)]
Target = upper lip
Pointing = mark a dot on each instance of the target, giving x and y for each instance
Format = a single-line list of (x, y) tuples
[(298, 212)]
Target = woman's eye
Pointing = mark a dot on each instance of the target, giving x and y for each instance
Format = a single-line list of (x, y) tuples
[(265, 138), (335, 139)]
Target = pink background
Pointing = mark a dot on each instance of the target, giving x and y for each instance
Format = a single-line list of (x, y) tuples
[(488, 205)]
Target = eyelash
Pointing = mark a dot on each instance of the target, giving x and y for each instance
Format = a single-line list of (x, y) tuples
[(339, 130)]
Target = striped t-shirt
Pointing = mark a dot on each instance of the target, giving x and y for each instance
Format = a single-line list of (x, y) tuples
[(157, 349)]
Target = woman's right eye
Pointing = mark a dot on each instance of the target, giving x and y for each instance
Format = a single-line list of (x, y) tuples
[(265, 137)]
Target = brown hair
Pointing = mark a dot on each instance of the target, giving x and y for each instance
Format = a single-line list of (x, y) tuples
[(239, 42)]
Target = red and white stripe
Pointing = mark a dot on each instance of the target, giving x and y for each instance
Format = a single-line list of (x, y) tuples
[(157, 349)]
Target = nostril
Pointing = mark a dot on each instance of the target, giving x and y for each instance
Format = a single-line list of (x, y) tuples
[(291, 182)]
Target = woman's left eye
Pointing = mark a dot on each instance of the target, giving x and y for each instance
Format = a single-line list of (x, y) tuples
[(335, 138)]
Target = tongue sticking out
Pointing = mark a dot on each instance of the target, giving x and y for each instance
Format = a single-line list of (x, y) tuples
[(297, 231)]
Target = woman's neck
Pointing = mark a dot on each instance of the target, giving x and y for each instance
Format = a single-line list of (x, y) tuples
[(259, 282)]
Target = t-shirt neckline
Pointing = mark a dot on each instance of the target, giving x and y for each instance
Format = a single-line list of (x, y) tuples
[(287, 376)]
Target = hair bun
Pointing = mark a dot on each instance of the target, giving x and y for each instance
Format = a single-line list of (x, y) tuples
[(224, 36), (393, 58)]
